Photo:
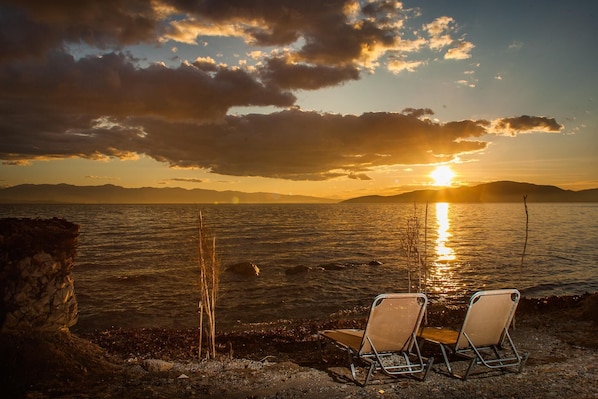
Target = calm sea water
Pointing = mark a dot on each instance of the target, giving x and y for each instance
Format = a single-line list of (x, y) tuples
[(137, 264)]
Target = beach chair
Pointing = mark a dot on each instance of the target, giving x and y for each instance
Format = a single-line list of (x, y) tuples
[(484, 335), (388, 342)]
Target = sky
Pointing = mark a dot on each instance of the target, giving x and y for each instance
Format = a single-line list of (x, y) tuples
[(330, 98)]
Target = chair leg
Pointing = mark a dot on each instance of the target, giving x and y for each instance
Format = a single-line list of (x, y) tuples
[(446, 360), (469, 368), (447, 363), (352, 366), (418, 348), (523, 360), (353, 369), (428, 368), (370, 372)]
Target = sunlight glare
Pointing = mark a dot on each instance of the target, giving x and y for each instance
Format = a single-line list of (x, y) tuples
[(442, 176), (442, 271), (444, 253)]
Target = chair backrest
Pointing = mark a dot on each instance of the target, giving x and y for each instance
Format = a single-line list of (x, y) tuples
[(488, 317), (392, 321)]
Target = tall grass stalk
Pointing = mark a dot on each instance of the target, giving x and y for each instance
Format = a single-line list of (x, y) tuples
[(526, 228), (410, 248), (209, 273)]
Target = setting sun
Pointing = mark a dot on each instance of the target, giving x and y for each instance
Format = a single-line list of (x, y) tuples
[(442, 176)]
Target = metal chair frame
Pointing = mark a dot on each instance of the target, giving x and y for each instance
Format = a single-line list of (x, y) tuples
[(497, 353), (392, 358)]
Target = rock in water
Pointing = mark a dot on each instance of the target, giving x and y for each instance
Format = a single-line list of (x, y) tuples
[(298, 270), (245, 269)]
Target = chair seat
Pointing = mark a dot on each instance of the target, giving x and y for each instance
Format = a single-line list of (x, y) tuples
[(348, 337), (444, 336)]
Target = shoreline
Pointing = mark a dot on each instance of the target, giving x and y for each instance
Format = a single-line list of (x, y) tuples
[(358, 312), (282, 361), (303, 330)]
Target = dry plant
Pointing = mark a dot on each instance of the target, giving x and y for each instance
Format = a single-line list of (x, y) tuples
[(410, 248), (209, 271), (526, 228)]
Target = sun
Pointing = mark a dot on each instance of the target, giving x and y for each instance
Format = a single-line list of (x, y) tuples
[(442, 176)]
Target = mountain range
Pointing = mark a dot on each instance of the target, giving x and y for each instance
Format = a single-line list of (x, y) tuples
[(502, 191), (111, 194)]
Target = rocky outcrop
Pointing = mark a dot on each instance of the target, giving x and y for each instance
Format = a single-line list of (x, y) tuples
[(36, 287)]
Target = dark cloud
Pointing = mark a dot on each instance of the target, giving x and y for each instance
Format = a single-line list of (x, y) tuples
[(334, 33), (300, 145), (526, 123), (418, 112), (268, 23), (112, 85), (281, 73), (54, 105), (187, 180), (20, 37), (292, 144), (31, 28)]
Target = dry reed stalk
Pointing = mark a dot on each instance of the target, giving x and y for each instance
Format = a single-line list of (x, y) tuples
[(410, 243), (526, 228), (209, 272)]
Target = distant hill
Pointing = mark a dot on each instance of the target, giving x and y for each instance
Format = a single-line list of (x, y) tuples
[(501, 191), (110, 194)]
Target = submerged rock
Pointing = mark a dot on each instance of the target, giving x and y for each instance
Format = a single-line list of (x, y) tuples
[(245, 269), (333, 266), (298, 270)]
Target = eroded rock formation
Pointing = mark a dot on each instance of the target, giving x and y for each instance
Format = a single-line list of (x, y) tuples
[(36, 287)]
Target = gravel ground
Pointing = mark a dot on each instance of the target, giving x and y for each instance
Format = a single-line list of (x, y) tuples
[(283, 361)]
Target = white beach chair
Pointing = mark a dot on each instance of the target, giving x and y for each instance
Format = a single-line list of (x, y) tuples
[(388, 341), (484, 335)]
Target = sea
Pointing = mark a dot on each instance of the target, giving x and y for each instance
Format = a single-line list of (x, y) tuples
[(137, 265)]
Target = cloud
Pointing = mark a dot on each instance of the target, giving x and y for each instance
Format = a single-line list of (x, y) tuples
[(439, 32), (344, 35), (30, 28), (516, 45), (282, 73), (526, 124), (112, 85), (399, 65), (292, 144), (56, 105), (93, 177), (187, 180), (358, 176), (460, 52), (300, 145)]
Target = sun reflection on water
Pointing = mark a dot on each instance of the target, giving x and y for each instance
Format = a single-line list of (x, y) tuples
[(443, 253), (442, 271)]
